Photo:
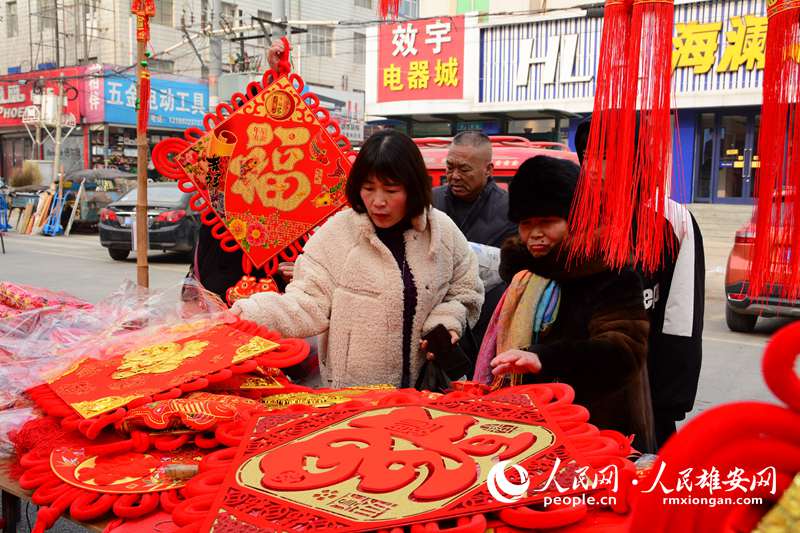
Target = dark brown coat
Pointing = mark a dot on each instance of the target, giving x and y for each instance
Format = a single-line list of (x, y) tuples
[(598, 343)]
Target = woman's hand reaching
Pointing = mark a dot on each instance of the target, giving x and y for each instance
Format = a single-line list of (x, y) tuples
[(517, 362)]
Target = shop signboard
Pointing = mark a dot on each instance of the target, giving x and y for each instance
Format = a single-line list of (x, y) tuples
[(174, 104), (718, 47), (17, 92), (421, 60)]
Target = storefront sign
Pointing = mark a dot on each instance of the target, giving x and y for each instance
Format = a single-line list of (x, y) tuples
[(16, 93), (421, 60), (718, 46), (696, 45), (173, 104), (561, 55)]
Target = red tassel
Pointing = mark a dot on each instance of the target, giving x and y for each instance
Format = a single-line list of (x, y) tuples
[(144, 102), (389, 8), (775, 267), (624, 177), (609, 147), (650, 65)]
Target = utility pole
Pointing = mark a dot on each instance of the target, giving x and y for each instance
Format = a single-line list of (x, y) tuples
[(215, 56), (143, 9), (279, 12), (57, 142)]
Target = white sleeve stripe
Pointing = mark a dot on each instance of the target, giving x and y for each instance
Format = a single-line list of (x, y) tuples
[(679, 311)]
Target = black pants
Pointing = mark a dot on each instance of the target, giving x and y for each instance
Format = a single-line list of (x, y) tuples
[(664, 422)]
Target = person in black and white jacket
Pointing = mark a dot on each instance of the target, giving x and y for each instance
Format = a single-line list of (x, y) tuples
[(674, 297)]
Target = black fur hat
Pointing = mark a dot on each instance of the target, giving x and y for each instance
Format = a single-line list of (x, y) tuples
[(542, 187)]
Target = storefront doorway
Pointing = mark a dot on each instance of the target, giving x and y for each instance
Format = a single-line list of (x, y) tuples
[(725, 156)]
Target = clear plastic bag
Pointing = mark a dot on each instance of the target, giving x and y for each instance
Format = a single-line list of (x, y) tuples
[(36, 345)]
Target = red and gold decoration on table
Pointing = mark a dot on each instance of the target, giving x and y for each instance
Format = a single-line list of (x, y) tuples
[(401, 459), (94, 393), (124, 473), (775, 267), (18, 298), (269, 168)]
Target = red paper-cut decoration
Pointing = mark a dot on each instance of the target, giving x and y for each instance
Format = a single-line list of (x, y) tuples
[(247, 286), (94, 393), (286, 472)]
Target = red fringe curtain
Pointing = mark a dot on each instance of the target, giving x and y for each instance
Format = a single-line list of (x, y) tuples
[(625, 176), (775, 266)]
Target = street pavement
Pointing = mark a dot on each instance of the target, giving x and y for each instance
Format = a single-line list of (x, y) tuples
[(79, 265)]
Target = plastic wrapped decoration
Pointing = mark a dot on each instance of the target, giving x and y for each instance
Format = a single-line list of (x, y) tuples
[(269, 168), (96, 393), (759, 441), (26, 298), (264, 484), (40, 343)]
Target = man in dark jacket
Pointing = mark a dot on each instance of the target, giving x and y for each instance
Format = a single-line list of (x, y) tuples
[(597, 339), (674, 296), (471, 197), (479, 208)]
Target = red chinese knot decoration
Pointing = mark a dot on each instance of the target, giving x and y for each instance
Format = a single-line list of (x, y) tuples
[(269, 168)]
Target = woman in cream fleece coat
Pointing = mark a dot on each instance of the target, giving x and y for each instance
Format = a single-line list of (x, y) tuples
[(351, 286)]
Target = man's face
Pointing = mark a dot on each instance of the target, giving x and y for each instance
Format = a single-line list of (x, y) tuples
[(468, 170)]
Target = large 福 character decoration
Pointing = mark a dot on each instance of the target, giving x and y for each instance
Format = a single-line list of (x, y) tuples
[(775, 266), (270, 167)]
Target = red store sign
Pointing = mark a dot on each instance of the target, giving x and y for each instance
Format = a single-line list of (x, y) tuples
[(15, 95), (421, 60)]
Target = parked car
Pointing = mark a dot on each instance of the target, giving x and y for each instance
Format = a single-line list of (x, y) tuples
[(172, 222), (508, 153), (741, 313)]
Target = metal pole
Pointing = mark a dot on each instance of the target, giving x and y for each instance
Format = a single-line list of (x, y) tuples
[(58, 44), (279, 12), (215, 56), (57, 156), (142, 244)]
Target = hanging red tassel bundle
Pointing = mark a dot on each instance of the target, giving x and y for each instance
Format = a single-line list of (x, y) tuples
[(608, 157), (775, 267), (624, 176), (389, 8), (650, 61)]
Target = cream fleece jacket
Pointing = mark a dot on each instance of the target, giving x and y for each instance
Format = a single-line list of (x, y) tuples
[(347, 284)]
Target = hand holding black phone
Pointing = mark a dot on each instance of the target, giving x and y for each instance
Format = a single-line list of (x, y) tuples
[(449, 361)]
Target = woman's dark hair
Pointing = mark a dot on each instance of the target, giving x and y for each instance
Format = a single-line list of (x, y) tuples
[(394, 159)]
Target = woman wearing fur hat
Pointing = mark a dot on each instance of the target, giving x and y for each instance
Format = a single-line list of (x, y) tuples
[(582, 324), (379, 276)]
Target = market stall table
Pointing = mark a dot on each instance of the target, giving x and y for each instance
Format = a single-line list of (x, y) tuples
[(12, 495)]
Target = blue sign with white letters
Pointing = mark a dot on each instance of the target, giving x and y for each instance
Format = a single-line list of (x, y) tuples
[(173, 104)]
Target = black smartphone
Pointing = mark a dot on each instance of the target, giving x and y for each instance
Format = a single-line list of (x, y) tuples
[(450, 357)]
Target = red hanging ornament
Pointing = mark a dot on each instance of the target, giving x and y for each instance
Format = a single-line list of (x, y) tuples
[(608, 157), (650, 66), (389, 8), (775, 267), (144, 102), (625, 175)]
